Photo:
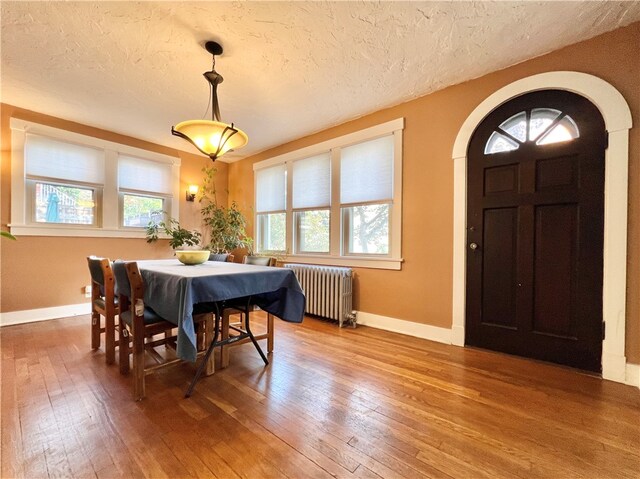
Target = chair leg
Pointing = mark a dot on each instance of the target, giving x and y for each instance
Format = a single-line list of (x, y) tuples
[(269, 333), (200, 338), (123, 350), (205, 360), (110, 339), (95, 330), (210, 337), (138, 367)]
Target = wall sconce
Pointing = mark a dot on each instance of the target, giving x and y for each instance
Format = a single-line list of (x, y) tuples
[(192, 191)]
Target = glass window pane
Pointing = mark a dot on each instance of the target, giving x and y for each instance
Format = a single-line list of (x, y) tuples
[(140, 210), (313, 230), (541, 118), (368, 229), (64, 204), (272, 232), (565, 130), (498, 143), (366, 171), (516, 126)]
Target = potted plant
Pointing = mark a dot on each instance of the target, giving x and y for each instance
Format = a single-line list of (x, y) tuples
[(185, 243), (226, 227), (178, 236)]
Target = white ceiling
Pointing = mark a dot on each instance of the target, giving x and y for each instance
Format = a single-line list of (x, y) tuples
[(290, 68)]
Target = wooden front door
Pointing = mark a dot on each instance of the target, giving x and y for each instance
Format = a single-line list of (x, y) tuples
[(535, 230)]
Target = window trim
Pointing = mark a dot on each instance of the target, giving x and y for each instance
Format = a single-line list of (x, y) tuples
[(109, 213), (337, 256)]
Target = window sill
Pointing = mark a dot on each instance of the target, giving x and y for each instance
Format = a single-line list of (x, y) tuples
[(352, 261), (75, 231)]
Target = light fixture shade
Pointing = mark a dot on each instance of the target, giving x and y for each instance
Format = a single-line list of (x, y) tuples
[(213, 138)]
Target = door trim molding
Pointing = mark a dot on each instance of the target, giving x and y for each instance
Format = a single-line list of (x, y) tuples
[(617, 118)]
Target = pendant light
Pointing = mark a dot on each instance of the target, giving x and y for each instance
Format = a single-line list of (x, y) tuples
[(212, 137)]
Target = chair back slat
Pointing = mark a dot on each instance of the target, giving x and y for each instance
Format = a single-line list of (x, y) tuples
[(123, 288), (259, 260)]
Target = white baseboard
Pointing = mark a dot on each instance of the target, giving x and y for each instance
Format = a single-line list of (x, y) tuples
[(632, 377), (457, 336), (419, 330), (33, 315), (614, 367)]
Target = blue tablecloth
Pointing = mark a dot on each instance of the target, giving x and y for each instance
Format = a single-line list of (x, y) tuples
[(172, 289)]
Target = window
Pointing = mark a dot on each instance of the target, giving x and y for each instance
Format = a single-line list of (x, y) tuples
[(139, 211), (311, 202), (338, 202), (270, 208), (56, 203), (543, 126), (366, 193), (64, 181), (67, 184), (143, 186)]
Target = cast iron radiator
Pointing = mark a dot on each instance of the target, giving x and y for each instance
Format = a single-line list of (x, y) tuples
[(329, 291)]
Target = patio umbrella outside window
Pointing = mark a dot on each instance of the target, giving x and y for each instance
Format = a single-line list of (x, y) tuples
[(52, 215)]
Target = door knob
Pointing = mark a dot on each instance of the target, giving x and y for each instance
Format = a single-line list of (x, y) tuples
[(473, 246)]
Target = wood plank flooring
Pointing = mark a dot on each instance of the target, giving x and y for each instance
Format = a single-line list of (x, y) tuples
[(344, 403)]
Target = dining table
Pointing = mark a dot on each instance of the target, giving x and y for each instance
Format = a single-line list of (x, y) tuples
[(172, 290)]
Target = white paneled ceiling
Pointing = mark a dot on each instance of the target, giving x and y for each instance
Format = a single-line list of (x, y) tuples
[(290, 68)]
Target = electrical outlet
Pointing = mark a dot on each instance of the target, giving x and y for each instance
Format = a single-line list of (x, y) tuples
[(87, 291)]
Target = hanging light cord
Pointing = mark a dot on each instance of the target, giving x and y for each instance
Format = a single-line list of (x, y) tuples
[(213, 67)]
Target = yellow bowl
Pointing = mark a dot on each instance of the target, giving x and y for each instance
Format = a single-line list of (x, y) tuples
[(193, 256)]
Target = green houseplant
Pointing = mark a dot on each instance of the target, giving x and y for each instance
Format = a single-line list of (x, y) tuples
[(178, 236), (6, 234), (226, 227)]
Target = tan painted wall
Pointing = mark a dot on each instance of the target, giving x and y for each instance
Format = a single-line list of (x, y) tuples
[(41, 272), (422, 290)]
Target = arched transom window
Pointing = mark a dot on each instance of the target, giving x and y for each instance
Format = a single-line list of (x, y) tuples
[(541, 126)]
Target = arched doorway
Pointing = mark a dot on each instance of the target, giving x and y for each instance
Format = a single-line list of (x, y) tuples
[(535, 224), (617, 116)]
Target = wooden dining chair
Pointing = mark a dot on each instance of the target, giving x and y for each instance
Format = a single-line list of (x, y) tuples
[(103, 303), (222, 257), (259, 260), (140, 327)]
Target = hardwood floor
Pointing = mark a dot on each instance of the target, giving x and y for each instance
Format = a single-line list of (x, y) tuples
[(346, 403)]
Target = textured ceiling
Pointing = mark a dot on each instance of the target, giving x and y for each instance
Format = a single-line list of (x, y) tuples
[(290, 68)]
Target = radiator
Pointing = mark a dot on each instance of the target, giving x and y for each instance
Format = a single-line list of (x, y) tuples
[(328, 289)]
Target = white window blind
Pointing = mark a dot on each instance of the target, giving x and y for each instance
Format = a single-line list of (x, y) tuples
[(312, 182), (366, 171), (136, 174), (271, 189), (48, 158)]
